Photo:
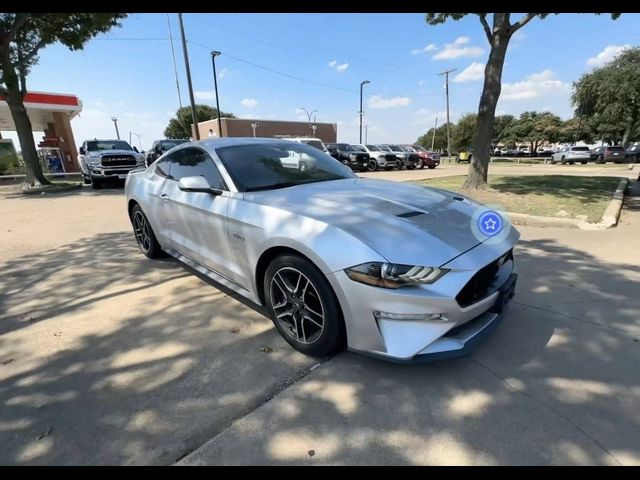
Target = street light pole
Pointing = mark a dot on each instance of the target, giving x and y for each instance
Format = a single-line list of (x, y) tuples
[(254, 125), (115, 122), (139, 141), (446, 89), (214, 54), (196, 132), (365, 133), (362, 84)]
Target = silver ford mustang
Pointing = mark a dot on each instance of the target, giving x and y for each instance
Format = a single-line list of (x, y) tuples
[(390, 269)]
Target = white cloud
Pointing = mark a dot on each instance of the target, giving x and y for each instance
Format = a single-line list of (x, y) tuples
[(534, 86), (421, 82), (224, 73), (249, 102), (458, 49), (342, 67), (428, 48), (609, 53), (473, 72), (377, 101), (205, 95)]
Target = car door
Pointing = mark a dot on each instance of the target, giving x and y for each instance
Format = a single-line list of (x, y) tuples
[(199, 225), (158, 208)]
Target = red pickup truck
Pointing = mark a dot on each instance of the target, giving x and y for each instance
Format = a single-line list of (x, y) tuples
[(427, 158)]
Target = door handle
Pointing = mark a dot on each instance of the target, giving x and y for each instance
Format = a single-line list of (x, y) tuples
[(164, 196)]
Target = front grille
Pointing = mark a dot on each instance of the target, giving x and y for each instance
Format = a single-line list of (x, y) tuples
[(414, 158), (116, 171), (481, 284), (362, 157), (390, 158), (119, 161)]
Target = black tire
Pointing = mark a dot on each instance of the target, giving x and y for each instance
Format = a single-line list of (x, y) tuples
[(420, 165), (345, 162), (96, 183), (431, 167), (562, 161), (149, 245), (571, 162), (86, 180), (601, 159), (303, 167), (372, 166), (302, 299), (583, 163), (398, 165)]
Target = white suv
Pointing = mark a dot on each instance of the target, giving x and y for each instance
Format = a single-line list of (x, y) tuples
[(382, 158), (314, 142)]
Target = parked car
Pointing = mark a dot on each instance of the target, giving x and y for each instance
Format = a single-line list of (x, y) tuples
[(314, 142), (336, 260), (379, 158), (103, 160), (464, 155), (633, 153), (606, 154), (571, 155), (428, 158), (349, 155), (161, 146), (409, 159)]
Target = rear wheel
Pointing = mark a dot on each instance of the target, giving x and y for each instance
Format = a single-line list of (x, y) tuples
[(144, 234), (303, 307), (420, 165), (431, 167), (584, 163)]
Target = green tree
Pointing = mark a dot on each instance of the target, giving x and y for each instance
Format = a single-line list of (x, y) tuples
[(22, 36), (500, 123), (576, 129), (534, 128), (180, 125), (462, 134), (609, 97), (498, 35), (439, 140)]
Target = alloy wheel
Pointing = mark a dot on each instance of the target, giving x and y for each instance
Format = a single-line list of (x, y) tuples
[(142, 231), (296, 305)]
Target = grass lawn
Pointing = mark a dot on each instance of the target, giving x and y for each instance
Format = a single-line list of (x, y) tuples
[(567, 196)]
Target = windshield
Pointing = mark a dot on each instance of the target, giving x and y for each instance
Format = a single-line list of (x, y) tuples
[(359, 148), (615, 149), (579, 149), (418, 148), (99, 145), (266, 166), (395, 148), (345, 147), (166, 145), (384, 148), (373, 148)]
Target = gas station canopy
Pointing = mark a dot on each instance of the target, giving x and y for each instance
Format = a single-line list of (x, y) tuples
[(41, 107)]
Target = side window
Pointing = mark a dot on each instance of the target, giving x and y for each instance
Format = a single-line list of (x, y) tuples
[(163, 167), (193, 162)]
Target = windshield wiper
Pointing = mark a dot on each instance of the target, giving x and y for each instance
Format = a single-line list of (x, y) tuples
[(273, 186)]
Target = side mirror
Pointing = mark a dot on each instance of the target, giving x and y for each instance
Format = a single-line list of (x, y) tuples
[(197, 184), (81, 150), (135, 150), (158, 150)]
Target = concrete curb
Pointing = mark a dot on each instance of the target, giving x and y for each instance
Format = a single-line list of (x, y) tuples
[(609, 218)]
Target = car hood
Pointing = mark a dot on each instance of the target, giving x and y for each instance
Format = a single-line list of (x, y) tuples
[(113, 152), (405, 223)]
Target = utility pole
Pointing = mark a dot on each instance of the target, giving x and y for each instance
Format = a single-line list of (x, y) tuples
[(365, 134), (362, 84), (115, 122), (175, 69), (254, 125), (196, 132), (446, 89), (433, 136), (214, 54)]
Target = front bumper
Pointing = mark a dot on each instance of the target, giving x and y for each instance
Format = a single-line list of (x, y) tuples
[(112, 172), (451, 331)]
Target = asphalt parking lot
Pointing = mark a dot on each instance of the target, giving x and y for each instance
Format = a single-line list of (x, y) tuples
[(109, 358)]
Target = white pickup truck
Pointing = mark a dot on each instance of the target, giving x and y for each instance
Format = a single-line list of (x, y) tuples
[(102, 160)]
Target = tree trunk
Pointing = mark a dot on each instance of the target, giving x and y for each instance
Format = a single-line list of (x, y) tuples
[(479, 164), (23, 124)]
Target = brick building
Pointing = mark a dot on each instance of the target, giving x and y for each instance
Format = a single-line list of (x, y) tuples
[(244, 127)]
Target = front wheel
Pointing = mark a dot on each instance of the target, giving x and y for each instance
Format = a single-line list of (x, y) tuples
[(398, 166), (144, 234), (431, 167), (372, 166), (96, 183), (303, 307), (420, 165)]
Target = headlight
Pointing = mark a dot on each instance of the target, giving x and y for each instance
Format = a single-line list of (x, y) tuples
[(391, 275), (93, 160)]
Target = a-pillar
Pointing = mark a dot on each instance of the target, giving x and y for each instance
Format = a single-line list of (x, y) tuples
[(62, 127)]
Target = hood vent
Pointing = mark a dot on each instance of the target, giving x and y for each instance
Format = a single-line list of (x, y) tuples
[(409, 214)]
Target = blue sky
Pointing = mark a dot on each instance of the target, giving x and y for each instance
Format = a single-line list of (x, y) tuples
[(128, 72)]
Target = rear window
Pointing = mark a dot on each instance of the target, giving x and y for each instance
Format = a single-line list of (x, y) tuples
[(579, 149), (615, 149)]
